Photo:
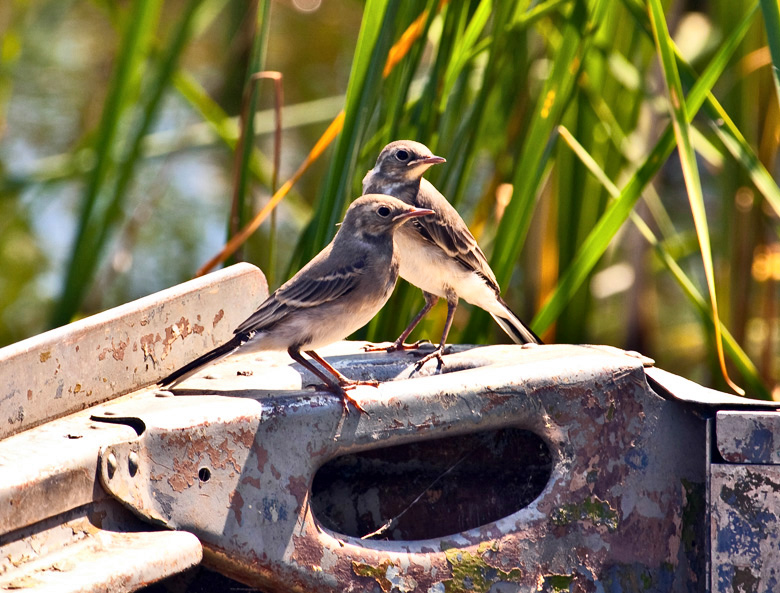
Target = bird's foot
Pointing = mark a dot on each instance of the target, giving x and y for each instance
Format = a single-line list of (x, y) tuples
[(346, 399), (438, 354), (395, 346)]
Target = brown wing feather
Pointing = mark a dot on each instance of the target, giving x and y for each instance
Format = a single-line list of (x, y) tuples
[(305, 290), (448, 231)]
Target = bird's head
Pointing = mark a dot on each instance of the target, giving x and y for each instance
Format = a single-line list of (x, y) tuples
[(405, 160), (378, 214)]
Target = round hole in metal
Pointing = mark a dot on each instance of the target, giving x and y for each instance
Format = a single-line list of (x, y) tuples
[(204, 474), (431, 488)]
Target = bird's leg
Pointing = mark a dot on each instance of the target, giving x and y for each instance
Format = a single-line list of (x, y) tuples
[(399, 344), (338, 386), (452, 304), (343, 381)]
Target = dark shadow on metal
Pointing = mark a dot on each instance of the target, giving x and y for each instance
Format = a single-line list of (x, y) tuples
[(433, 488)]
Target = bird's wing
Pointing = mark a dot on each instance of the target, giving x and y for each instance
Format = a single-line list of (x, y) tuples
[(315, 284), (448, 231)]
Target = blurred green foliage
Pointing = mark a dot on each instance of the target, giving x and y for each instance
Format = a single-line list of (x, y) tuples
[(118, 131)]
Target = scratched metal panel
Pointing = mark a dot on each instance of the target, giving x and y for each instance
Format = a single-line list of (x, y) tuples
[(51, 469), (97, 548), (745, 528), (115, 352), (748, 437), (622, 510)]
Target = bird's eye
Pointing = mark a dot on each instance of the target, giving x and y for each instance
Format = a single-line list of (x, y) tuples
[(402, 155), (383, 211)]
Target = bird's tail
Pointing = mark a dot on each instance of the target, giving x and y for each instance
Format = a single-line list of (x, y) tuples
[(210, 357), (514, 328)]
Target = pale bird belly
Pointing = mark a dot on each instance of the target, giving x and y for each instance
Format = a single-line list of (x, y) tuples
[(313, 328), (432, 270)]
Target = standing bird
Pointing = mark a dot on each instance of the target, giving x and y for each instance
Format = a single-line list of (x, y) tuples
[(335, 294), (438, 254)]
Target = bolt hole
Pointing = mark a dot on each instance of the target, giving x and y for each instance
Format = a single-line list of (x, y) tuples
[(204, 474)]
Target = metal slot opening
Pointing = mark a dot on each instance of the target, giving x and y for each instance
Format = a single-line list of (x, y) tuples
[(431, 488)]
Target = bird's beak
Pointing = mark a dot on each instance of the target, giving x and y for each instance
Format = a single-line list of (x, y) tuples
[(413, 213), (428, 160)]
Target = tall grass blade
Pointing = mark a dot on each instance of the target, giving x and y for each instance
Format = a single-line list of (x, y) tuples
[(373, 45), (690, 169), (140, 23), (241, 173), (595, 244), (771, 10), (576, 35), (743, 363)]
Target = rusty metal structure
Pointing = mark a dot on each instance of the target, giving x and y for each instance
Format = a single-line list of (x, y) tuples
[(542, 468)]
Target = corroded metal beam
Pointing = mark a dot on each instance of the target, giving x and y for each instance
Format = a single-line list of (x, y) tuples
[(236, 469)]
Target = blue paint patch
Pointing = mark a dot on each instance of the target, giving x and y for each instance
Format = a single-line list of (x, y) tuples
[(739, 538), (759, 447), (273, 510), (636, 459), (725, 576)]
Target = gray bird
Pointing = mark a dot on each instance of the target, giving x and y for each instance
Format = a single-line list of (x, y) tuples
[(438, 253), (335, 294)]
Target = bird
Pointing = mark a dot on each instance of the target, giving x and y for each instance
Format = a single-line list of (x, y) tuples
[(335, 294), (438, 253)]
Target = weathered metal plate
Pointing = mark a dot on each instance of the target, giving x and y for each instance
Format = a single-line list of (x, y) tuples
[(622, 505), (684, 390), (93, 549), (749, 437), (115, 352), (745, 528), (52, 469)]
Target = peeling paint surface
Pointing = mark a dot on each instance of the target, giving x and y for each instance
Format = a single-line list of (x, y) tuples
[(119, 351), (746, 436), (745, 516), (615, 514)]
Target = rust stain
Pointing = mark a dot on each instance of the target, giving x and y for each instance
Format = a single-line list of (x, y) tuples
[(180, 329), (261, 453), (307, 551), (496, 400), (44, 356), (218, 317), (298, 486), (147, 346), (251, 481), (29, 395), (237, 505), (177, 482), (243, 436), (117, 352), (221, 455)]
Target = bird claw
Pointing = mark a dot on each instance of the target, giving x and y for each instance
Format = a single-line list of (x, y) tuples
[(395, 346), (437, 354), (346, 399)]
